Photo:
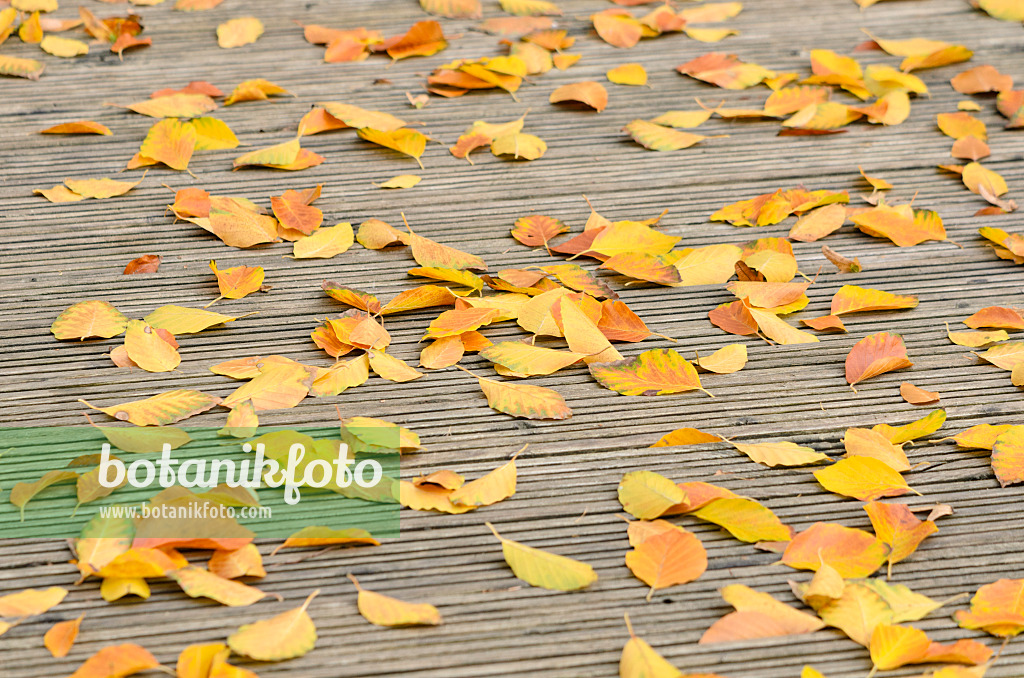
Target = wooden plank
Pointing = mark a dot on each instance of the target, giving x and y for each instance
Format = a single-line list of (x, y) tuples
[(55, 255)]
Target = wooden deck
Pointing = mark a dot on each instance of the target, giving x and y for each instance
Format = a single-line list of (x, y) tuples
[(55, 255)]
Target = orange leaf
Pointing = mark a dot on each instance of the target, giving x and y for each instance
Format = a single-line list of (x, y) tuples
[(454, 323), (279, 385), (898, 527), (243, 562), (31, 602), (116, 661), (758, 615), (238, 282), (422, 39), (874, 355), (725, 70), (443, 352), (617, 27), (853, 553), (686, 436), (61, 636), (981, 79), (324, 536), (1008, 456), (996, 608), (853, 299), (536, 230), (78, 127), (668, 559), (197, 582), (725, 360), (619, 323), (862, 442), (917, 396), (783, 453), (591, 93), (295, 213), (734, 318)]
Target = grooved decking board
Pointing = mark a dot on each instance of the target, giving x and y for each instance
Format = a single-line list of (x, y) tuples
[(55, 255)]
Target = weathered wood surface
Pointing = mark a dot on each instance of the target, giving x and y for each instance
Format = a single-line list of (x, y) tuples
[(53, 256)]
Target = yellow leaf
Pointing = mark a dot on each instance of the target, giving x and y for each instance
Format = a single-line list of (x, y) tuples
[(654, 372), (628, 74), (174, 106), (401, 181), (286, 636), (853, 299), (647, 495), (212, 135), (640, 660), (383, 610), (780, 454), (21, 68), (183, 320), (530, 7), (709, 34), (341, 376), (924, 426), (524, 400), (89, 319), (406, 141), (171, 142), (711, 265), (543, 569), (199, 583), (857, 612), (353, 116), (864, 478), (100, 188), (519, 146), (31, 602), (744, 519), (148, 349), (976, 177), (725, 360), (324, 243), (529, 359), (63, 47), (660, 138), (895, 646), (489, 489), (282, 154), (238, 32), (392, 368), (779, 330)]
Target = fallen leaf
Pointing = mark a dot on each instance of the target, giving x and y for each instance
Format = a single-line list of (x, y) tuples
[(383, 610), (285, 636), (917, 396), (861, 477), (784, 453), (239, 32), (61, 636), (654, 372), (726, 360), (544, 569), (116, 661), (874, 355), (591, 93), (853, 553), (669, 559)]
